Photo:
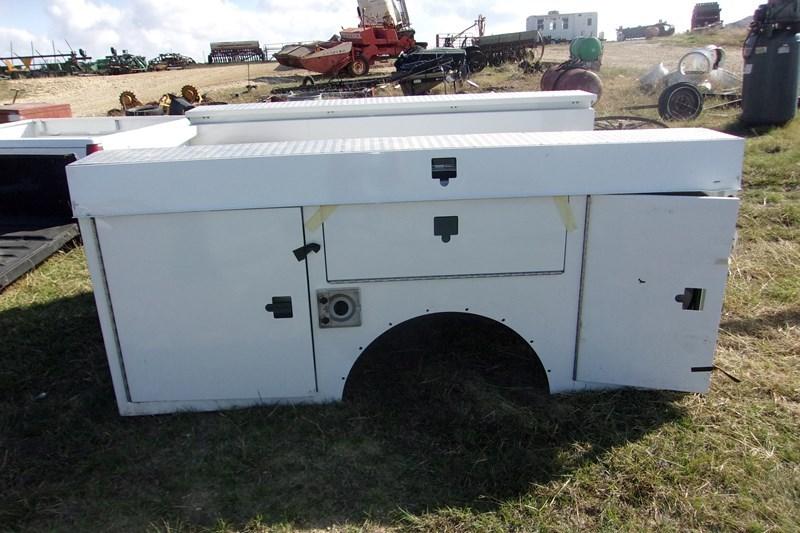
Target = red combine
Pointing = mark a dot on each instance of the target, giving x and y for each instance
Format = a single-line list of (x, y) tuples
[(383, 33)]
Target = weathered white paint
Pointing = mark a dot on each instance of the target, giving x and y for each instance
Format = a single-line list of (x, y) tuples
[(186, 246)]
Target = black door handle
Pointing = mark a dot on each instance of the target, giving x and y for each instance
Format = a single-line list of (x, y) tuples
[(302, 252)]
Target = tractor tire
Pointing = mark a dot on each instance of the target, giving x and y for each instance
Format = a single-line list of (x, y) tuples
[(359, 67), (476, 60)]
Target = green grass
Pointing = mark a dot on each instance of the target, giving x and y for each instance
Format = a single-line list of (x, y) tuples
[(439, 434), (731, 38)]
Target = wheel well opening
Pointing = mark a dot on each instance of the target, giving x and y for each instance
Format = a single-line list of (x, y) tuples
[(439, 354)]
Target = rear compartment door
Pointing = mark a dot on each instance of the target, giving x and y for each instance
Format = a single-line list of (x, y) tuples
[(655, 269)]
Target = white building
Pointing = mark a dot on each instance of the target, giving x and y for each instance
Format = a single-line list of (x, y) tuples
[(564, 26)]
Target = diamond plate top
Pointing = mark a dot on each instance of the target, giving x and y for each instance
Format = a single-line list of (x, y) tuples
[(402, 169), (392, 106), (398, 144)]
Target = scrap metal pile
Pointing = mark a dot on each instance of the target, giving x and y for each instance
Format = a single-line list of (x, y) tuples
[(422, 70), (169, 104), (700, 74), (310, 89), (662, 29)]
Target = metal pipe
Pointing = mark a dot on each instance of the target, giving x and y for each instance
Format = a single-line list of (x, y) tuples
[(404, 14)]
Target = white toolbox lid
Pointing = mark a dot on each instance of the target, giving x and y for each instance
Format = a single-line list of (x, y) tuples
[(400, 169), (392, 106)]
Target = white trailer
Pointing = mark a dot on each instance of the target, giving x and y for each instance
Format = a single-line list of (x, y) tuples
[(236, 275), (564, 26)]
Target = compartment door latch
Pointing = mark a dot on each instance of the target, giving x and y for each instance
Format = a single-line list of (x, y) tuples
[(445, 227), (281, 307)]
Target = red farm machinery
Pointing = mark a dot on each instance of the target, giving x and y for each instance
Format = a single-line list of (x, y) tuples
[(384, 32)]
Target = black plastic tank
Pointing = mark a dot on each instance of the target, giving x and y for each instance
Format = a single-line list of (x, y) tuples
[(771, 77)]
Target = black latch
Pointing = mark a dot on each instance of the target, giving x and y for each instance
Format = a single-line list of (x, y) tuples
[(302, 252), (281, 307), (445, 227), (692, 299), (444, 169)]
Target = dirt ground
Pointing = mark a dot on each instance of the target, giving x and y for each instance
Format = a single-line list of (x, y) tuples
[(96, 95)]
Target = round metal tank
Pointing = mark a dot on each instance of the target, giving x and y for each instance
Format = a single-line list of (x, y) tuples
[(586, 48), (576, 79)]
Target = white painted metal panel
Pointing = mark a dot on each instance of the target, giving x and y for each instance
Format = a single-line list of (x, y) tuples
[(395, 126), (382, 170), (541, 309), (643, 251), (392, 106), (395, 241), (71, 135), (188, 293)]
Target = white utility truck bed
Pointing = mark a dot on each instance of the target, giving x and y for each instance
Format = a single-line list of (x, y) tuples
[(232, 275), (35, 211)]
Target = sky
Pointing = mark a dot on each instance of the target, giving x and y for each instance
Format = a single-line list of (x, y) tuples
[(149, 27)]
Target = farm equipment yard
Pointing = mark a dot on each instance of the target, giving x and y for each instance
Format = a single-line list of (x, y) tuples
[(440, 439), (94, 96)]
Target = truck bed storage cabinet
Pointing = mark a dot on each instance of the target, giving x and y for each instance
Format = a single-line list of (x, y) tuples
[(190, 293), (217, 269)]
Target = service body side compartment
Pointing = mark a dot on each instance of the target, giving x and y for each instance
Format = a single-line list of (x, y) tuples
[(655, 270), (209, 306), (515, 261), (514, 236)]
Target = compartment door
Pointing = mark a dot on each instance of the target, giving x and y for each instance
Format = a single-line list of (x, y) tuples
[(519, 236), (654, 278), (189, 293)]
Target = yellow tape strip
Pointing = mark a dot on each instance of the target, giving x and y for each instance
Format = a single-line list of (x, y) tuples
[(319, 217), (565, 212)]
